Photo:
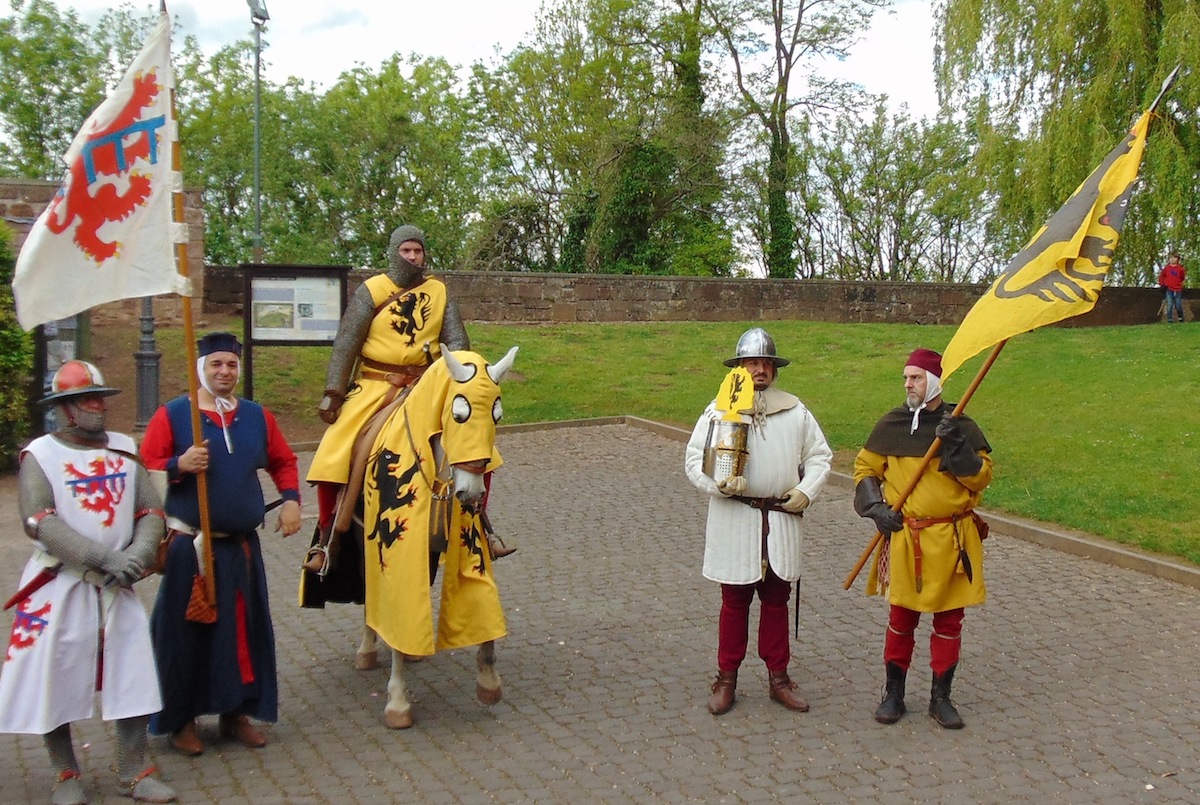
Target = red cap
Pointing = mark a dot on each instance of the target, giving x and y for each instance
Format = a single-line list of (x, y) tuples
[(928, 360)]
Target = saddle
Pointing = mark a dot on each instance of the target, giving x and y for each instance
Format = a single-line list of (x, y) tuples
[(318, 557)]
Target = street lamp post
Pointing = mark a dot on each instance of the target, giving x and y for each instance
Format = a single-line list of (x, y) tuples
[(259, 16)]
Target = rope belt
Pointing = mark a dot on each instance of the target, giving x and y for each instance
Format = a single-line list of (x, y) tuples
[(916, 524)]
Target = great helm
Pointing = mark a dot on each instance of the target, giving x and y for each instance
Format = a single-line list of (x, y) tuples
[(76, 379), (756, 343)]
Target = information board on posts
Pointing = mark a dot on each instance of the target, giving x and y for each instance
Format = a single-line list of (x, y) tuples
[(289, 305)]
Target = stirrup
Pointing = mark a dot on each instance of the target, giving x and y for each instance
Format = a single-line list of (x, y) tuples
[(316, 560), (497, 546)]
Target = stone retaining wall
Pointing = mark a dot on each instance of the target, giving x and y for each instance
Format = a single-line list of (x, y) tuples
[(522, 298)]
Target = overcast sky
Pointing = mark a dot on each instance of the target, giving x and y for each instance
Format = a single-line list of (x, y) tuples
[(319, 39)]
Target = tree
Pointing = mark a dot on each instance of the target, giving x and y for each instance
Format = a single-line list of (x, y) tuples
[(600, 130), (557, 113), (215, 102), (51, 78), (381, 148), (791, 34), (1052, 86), (897, 200)]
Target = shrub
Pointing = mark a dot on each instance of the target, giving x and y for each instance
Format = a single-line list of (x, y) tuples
[(16, 363)]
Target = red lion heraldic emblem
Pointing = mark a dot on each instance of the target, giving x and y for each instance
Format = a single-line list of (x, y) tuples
[(91, 193), (26, 627), (101, 488)]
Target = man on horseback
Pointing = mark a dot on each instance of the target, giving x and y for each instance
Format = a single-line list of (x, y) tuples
[(387, 337)]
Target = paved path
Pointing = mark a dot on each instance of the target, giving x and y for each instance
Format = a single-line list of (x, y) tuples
[(1078, 682)]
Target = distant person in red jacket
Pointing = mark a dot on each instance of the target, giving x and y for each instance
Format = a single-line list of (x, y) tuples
[(1170, 279)]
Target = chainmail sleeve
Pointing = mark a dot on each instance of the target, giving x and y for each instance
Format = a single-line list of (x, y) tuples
[(148, 530), (351, 335)]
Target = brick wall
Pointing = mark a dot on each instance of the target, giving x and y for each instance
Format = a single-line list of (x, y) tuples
[(562, 298)]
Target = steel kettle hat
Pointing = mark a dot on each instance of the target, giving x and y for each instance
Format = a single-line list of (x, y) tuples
[(77, 379), (756, 343)]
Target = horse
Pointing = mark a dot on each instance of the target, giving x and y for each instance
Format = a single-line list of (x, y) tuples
[(420, 500)]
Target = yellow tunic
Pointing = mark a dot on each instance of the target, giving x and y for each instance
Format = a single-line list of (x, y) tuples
[(944, 583), (398, 335)]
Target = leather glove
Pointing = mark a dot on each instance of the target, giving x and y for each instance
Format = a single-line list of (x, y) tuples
[(869, 502), (123, 568), (886, 520), (957, 457), (795, 501), (330, 405), (733, 485), (949, 430)]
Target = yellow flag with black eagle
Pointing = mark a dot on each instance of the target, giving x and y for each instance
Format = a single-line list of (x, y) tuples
[(1060, 272)]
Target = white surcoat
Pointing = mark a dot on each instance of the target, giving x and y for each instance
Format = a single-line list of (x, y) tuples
[(53, 659), (783, 440)]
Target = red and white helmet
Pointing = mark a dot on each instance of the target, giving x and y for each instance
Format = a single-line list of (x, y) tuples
[(76, 379)]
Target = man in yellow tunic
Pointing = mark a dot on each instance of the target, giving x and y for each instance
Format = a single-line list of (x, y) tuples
[(931, 559), (391, 329)]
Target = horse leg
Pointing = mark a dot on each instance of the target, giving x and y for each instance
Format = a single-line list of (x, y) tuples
[(367, 656), (487, 682), (397, 715)]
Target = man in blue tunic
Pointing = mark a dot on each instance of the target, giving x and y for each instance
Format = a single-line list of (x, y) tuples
[(227, 666)]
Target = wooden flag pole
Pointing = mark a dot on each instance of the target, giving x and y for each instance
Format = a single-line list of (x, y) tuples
[(189, 338), (929, 456)]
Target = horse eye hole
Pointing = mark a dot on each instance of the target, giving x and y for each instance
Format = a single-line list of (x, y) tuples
[(497, 410), (460, 409)]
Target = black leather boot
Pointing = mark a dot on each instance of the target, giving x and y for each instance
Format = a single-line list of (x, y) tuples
[(940, 708), (892, 707)]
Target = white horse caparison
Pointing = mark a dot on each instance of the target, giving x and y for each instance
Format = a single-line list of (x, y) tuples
[(468, 486)]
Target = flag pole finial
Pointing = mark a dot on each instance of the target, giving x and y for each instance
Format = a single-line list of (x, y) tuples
[(1166, 85)]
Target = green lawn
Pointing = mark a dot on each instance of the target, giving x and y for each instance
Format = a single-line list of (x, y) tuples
[(1091, 428)]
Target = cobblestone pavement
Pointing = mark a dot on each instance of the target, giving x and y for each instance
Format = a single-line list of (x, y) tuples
[(1077, 683)]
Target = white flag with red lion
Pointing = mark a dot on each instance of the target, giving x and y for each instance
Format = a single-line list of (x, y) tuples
[(108, 233)]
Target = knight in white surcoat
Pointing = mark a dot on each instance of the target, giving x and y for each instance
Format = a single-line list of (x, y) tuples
[(754, 535), (79, 632)]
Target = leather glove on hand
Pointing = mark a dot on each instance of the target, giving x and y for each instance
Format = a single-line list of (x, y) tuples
[(330, 404), (795, 501), (949, 430), (886, 520), (733, 485), (869, 502), (957, 457)]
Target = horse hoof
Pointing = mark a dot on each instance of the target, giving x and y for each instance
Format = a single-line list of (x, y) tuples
[(397, 721), (366, 660), (488, 696)]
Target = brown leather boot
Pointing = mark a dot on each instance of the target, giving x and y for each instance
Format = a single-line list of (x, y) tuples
[(186, 741), (783, 690), (237, 727), (723, 693)]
